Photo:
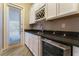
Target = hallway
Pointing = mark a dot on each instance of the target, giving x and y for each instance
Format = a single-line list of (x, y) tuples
[(17, 51)]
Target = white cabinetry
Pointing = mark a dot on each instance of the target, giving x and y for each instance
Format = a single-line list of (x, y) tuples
[(56, 10), (65, 9), (38, 6), (27, 37), (35, 45), (51, 10), (75, 51), (32, 15), (33, 9), (33, 42)]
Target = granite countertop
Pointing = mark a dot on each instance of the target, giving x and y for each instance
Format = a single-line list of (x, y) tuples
[(71, 38)]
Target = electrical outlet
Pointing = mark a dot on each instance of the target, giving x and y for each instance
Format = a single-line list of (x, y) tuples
[(53, 32), (63, 25), (64, 35)]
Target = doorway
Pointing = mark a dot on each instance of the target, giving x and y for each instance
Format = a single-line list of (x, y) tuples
[(14, 25)]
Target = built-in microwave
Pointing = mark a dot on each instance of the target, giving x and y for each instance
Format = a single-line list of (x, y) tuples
[(40, 13)]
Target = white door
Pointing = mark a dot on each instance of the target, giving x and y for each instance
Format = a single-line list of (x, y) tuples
[(14, 24), (0, 26)]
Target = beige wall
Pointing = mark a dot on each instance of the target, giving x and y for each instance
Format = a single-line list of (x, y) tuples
[(24, 24), (26, 21)]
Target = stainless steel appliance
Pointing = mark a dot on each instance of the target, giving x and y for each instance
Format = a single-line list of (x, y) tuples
[(51, 48)]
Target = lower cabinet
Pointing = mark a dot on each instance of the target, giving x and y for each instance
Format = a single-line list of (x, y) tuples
[(33, 42), (35, 45), (75, 51), (30, 42), (27, 39)]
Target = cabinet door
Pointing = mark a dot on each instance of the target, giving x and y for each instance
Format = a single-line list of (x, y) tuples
[(32, 42), (27, 39), (51, 10), (32, 15), (75, 51), (37, 6), (65, 9), (35, 47)]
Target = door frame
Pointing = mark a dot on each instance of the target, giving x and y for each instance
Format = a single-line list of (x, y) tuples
[(2, 36), (6, 32)]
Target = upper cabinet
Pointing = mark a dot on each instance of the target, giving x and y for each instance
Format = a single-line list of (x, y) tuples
[(32, 15), (56, 10), (40, 12), (35, 7), (65, 9), (39, 5), (51, 10)]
